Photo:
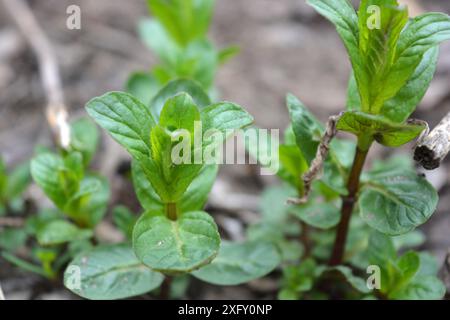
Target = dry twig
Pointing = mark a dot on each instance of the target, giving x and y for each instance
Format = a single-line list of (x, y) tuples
[(317, 163), (56, 110), (2, 296), (11, 222), (432, 148)]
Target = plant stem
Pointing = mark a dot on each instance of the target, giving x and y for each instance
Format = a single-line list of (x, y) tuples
[(164, 293), (304, 235), (348, 203), (304, 239), (171, 211)]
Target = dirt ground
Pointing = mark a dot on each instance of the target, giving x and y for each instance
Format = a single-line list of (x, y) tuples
[(285, 47)]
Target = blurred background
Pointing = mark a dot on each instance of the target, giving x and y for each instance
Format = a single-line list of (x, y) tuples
[(285, 47)]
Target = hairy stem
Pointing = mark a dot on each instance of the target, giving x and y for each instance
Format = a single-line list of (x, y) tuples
[(348, 203)]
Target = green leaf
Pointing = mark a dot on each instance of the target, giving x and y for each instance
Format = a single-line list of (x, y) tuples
[(36, 221), (175, 87), (174, 178), (197, 193), (307, 129), (155, 37), (110, 272), (127, 119), (143, 86), (396, 204), (224, 118), (264, 148), (51, 174), (381, 248), (293, 166), (176, 246), (84, 138), (24, 265), (273, 205), (17, 181), (318, 215), (353, 97), (12, 239), (239, 263), (421, 288), (98, 201), (409, 240), (409, 264), (271, 232), (420, 35), (61, 231), (125, 220), (192, 200), (200, 62), (377, 45), (429, 265), (179, 112), (88, 205), (385, 132), (402, 105), (393, 164), (356, 282), (183, 20), (227, 54), (298, 279)]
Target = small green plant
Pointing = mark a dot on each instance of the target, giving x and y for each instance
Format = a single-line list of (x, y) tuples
[(177, 34), (80, 198), (345, 233), (173, 236), (12, 186), (393, 59)]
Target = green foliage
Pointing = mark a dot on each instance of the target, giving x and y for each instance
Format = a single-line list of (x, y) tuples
[(56, 235), (177, 34), (411, 276), (397, 202), (238, 263), (172, 236), (82, 197), (389, 54), (12, 186), (124, 220), (169, 123), (60, 231), (393, 60), (385, 132), (109, 272), (176, 246)]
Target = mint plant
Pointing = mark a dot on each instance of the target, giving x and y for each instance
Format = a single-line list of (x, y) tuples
[(80, 200), (173, 236), (177, 34), (82, 196), (12, 186), (394, 59), (172, 103)]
